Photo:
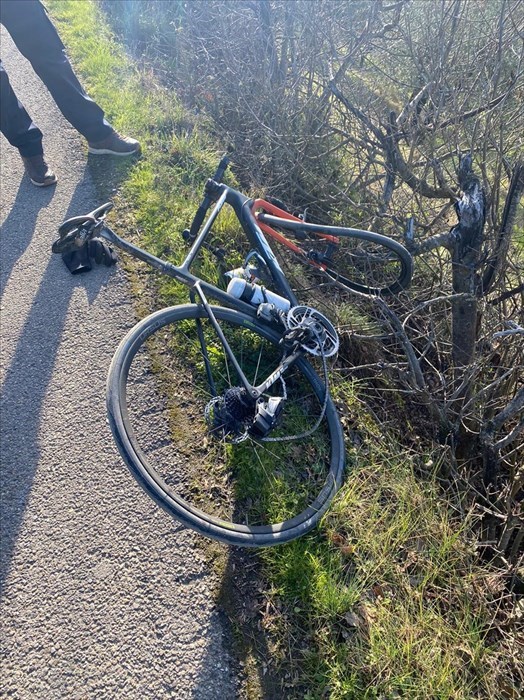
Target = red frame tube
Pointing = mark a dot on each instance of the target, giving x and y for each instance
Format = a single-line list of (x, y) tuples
[(272, 209)]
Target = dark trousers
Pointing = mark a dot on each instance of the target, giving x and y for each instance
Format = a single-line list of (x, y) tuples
[(37, 39)]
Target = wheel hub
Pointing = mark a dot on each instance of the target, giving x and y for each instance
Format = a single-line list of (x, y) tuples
[(230, 414)]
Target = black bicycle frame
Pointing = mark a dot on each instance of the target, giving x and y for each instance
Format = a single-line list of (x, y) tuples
[(241, 206), (220, 194)]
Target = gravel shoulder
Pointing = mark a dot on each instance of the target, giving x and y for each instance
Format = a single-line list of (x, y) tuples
[(104, 596)]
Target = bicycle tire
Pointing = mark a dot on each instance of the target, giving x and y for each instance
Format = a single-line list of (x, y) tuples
[(142, 358), (369, 255)]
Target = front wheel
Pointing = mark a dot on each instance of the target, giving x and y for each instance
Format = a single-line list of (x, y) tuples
[(213, 474), (363, 261)]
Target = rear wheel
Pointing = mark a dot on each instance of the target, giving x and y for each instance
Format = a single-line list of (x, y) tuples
[(168, 387)]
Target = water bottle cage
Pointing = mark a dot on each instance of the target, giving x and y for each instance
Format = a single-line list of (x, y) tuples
[(269, 313)]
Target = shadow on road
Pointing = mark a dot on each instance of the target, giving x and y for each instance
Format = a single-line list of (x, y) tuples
[(240, 601), (30, 371), (21, 220)]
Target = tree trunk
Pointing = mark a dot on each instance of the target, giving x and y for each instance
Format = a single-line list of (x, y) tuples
[(468, 236)]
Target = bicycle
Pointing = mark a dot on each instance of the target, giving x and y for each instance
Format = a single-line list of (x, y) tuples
[(340, 253), (220, 412)]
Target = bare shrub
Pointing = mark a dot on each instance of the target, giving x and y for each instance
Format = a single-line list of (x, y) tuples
[(369, 113)]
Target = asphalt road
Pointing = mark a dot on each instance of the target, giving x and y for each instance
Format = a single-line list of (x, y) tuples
[(103, 595)]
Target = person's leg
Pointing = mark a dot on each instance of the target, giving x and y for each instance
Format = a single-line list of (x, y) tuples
[(18, 128), (15, 123), (37, 39)]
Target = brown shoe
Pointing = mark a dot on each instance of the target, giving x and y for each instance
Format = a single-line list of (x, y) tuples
[(39, 172), (114, 145)]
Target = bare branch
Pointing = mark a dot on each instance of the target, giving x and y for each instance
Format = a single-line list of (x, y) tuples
[(510, 411), (399, 165), (515, 192), (412, 105), (439, 240), (414, 364), (472, 113), (357, 112), (513, 329), (504, 442), (507, 295), (430, 302)]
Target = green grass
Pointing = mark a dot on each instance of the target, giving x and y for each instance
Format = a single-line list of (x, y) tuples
[(382, 595), (387, 599), (165, 185)]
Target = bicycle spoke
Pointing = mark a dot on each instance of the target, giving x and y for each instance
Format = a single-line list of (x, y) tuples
[(248, 482)]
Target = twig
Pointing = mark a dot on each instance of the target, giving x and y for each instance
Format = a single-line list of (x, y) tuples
[(507, 295), (512, 331), (436, 300), (414, 364), (487, 388), (472, 113), (514, 406), (501, 444)]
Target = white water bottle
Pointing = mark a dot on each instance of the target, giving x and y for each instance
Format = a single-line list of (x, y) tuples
[(255, 294)]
